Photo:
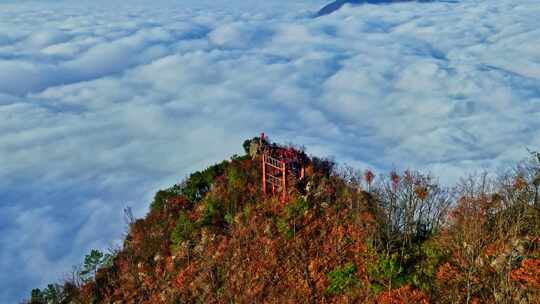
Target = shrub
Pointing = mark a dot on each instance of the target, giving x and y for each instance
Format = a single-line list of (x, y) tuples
[(198, 183), (212, 212), (425, 271), (342, 279), (298, 208), (183, 230), (161, 197), (283, 228), (246, 212), (385, 273), (293, 214), (229, 218)]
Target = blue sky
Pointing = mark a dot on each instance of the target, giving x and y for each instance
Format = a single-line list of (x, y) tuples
[(102, 104)]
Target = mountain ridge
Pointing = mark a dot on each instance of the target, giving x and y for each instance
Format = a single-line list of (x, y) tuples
[(342, 236), (338, 4)]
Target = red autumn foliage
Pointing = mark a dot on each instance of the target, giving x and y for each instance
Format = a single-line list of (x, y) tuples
[(183, 278), (369, 176), (394, 177), (234, 245), (520, 183), (403, 295), (447, 273), (528, 273), (177, 202)]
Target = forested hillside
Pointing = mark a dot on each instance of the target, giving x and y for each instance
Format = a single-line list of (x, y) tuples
[(344, 235)]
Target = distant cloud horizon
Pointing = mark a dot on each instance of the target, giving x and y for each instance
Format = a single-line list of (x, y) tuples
[(104, 103)]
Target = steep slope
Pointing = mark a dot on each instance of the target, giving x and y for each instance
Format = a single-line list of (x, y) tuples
[(341, 237)]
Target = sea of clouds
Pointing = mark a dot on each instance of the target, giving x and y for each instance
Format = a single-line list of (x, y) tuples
[(102, 104)]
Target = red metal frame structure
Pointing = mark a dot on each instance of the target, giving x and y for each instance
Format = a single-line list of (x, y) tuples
[(278, 164)]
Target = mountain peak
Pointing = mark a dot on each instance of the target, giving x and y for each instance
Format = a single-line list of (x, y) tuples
[(341, 236)]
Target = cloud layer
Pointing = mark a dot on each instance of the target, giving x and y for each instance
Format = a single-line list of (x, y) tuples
[(102, 104)]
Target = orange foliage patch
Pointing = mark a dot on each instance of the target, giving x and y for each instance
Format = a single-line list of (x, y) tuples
[(403, 295), (447, 273), (184, 276), (520, 183), (528, 274), (421, 191)]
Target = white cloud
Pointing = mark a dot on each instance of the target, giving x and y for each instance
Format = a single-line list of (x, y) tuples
[(238, 35), (103, 103), (47, 37)]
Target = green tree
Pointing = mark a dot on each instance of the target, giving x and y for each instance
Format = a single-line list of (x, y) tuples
[(92, 262), (53, 294), (37, 297)]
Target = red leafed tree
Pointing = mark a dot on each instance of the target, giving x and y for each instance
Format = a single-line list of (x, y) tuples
[(369, 176)]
